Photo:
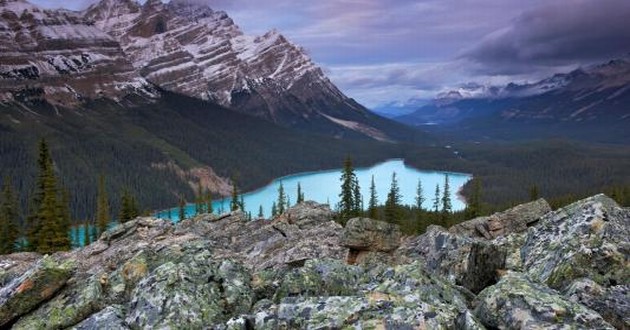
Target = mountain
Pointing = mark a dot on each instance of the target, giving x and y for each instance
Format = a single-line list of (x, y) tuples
[(188, 48), (531, 268), (53, 55), (173, 91), (588, 103)]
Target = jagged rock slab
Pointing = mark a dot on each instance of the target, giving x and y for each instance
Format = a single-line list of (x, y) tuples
[(111, 317), (518, 303), (588, 238), (514, 220), (37, 285), (365, 234)]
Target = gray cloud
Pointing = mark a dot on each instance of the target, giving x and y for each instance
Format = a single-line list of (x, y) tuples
[(568, 33)]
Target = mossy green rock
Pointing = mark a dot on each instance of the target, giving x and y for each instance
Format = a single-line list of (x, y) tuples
[(587, 239), (37, 285), (191, 294), (518, 303), (68, 308)]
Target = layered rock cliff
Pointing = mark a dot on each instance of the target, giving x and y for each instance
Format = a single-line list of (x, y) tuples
[(568, 269), (56, 56)]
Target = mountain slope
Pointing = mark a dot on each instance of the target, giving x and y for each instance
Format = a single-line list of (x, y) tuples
[(193, 50)]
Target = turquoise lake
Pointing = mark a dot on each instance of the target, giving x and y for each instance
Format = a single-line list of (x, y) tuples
[(325, 186)]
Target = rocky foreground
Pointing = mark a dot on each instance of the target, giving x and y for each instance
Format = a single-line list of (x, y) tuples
[(524, 268)]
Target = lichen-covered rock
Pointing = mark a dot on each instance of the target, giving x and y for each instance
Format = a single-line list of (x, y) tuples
[(371, 235), (404, 297), (514, 220), (306, 215), (68, 308), (193, 293), (612, 303), (587, 239), (320, 278), (111, 317), (516, 302), (37, 285)]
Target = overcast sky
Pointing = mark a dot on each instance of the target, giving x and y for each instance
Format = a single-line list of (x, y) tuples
[(383, 51)]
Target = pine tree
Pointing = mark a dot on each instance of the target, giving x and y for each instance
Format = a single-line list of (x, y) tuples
[(33, 222), (261, 214), (182, 208), (446, 199), (373, 203), (349, 206), (102, 206), (358, 199), (9, 219), (274, 209), (300, 194), (282, 199), (199, 202), (234, 203), (86, 233), (533, 192), (419, 196), (436, 199), (128, 207), (241, 203), (473, 209), (393, 202), (64, 222), (209, 207)]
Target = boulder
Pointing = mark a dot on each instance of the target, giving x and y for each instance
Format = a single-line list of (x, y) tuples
[(68, 308), (514, 220), (306, 215), (365, 234), (111, 317), (193, 293), (38, 284), (516, 302), (468, 262), (587, 239), (612, 303)]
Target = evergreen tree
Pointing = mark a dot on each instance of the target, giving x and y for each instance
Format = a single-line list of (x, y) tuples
[(234, 203), (436, 199), (9, 219), (419, 196), (33, 221), (446, 197), (533, 192), (199, 202), (209, 207), (300, 194), (64, 222), (373, 203), (274, 209), (473, 209), (282, 199), (182, 208), (102, 206), (128, 207), (358, 199), (261, 214), (86, 233), (393, 202), (241, 203), (348, 206)]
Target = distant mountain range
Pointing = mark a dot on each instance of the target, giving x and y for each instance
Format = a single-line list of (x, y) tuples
[(591, 103), (167, 97)]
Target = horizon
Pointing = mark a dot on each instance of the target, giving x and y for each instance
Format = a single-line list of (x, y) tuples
[(364, 47)]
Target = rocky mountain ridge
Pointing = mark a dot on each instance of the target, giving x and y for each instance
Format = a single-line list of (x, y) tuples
[(588, 103), (117, 48), (542, 269)]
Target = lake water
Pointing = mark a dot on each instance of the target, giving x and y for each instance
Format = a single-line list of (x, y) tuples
[(325, 186)]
